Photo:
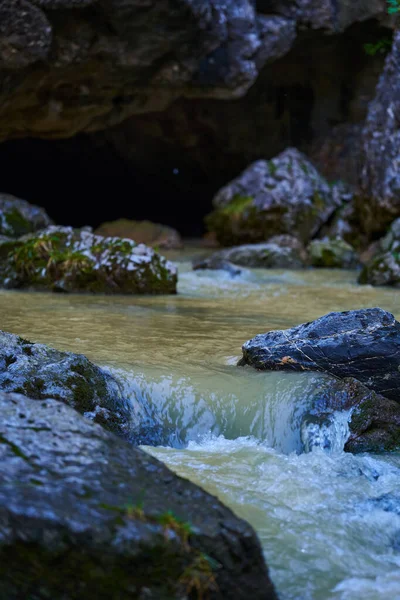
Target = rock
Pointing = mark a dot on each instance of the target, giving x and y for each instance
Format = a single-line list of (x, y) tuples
[(285, 195), (217, 263), (18, 217), (382, 259), (68, 260), (142, 232), (332, 253), (40, 372), (364, 344), (378, 200), (280, 252), (91, 67), (86, 516)]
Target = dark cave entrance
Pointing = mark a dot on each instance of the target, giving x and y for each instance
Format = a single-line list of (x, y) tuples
[(82, 181)]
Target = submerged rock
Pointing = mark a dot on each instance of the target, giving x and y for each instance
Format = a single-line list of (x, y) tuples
[(86, 516), (40, 372), (67, 260), (279, 252), (142, 232), (383, 264), (285, 195), (332, 253), (217, 263), (19, 217), (364, 344)]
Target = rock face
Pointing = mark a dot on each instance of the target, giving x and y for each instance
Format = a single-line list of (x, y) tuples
[(383, 267), (280, 252), (18, 217), (142, 232), (285, 195), (40, 372), (68, 260), (86, 516), (379, 198), (332, 253), (364, 344)]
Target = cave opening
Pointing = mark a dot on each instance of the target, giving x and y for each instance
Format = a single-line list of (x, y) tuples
[(82, 181)]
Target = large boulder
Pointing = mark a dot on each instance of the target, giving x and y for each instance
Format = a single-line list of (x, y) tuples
[(142, 232), (68, 260), (18, 217), (40, 372), (285, 195), (378, 201), (364, 344), (280, 252), (86, 516), (332, 253), (383, 264)]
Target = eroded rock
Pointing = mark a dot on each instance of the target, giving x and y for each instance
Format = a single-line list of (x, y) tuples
[(19, 217)]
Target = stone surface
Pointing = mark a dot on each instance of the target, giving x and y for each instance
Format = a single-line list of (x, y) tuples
[(285, 195), (142, 232), (364, 344), (332, 253), (67, 260), (18, 217), (215, 262), (40, 372), (379, 197), (280, 252), (86, 516), (382, 259)]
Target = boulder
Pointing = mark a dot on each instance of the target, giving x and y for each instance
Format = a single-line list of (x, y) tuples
[(364, 344), (40, 372), (86, 516), (382, 259), (68, 260), (142, 232), (217, 263), (285, 195), (280, 252), (378, 201), (332, 253), (18, 217)]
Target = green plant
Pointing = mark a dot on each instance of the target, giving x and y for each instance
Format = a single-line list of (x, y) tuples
[(199, 577), (393, 6), (383, 46)]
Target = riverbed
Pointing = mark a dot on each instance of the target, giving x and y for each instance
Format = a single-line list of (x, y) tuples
[(329, 522)]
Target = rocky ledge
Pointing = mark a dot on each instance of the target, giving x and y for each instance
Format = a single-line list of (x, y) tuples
[(86, 516), (62, 259)]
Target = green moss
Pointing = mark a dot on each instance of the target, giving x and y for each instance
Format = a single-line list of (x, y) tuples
[(17, 223)]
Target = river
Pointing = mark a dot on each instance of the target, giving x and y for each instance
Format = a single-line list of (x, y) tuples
[(329, 522)]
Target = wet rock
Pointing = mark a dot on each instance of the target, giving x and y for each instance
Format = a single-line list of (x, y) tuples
[(285, 195), (364, 344), (332, 253), (142, 232), (18, 217), (40, 372), (86, 516), (382, 259), (379, 199), (66, 260), (217, 263), (280, 252)]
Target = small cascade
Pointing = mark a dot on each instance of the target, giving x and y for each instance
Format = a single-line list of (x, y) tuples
[(328, 432)]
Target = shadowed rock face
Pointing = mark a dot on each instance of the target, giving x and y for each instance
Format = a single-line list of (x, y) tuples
[(383, 265), (364, 344), (85, 516)]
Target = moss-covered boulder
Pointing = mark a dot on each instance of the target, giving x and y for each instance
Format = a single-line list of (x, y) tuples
[(332, 253), (142, 232), (85, 516), (69, 260), (285, 195), (383, 266), (18, 217), (40, 372)]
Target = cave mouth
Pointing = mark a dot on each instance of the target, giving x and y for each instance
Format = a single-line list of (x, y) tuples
[(81, 181)]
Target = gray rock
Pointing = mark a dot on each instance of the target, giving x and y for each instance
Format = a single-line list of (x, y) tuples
[(86, 516), (332, 253), (40, 372), (285, 195), (280, 252), (382, 264), (364, 344), (378, 201), (215, 262), (19, 217), (68, 260)]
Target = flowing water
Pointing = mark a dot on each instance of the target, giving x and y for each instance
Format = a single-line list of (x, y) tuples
[(329, 522)]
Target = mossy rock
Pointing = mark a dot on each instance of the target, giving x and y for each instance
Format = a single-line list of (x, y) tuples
[(142, 232), (332, 253), (383, 269), (18, 217), (68, 260)]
